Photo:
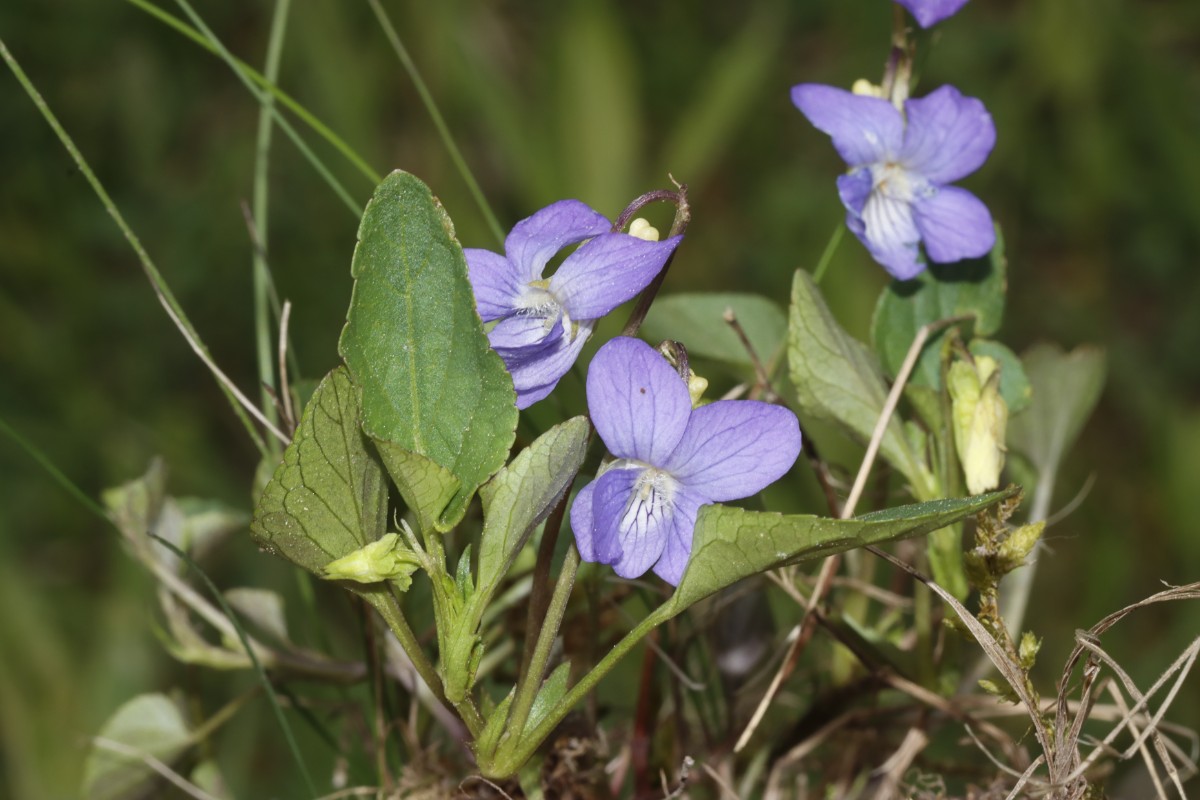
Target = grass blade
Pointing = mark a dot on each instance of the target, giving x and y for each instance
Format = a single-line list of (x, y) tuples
[(443, 130), (258, 668), (236, 399), (283, 98), (260, 95)]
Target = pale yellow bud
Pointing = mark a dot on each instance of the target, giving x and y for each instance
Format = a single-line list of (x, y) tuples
[(980, 418), (384, 560), (641, 229), (696, 387), (864, 87)]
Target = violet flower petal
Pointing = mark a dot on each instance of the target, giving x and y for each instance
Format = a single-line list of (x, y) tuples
[(955, 224), (678, 549), (864, 129), (610, 497), (583, 522), (891, 234), (607, 271), (536, 371), (523, 331), (931, 12), (948, 137), (534, 240), (735, 448), (639, 404), (495, 282)]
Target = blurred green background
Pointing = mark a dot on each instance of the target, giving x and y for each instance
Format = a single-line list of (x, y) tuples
[(1096, 180)]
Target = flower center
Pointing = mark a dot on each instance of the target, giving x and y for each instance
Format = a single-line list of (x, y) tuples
[(894, 182), (538, 301), (650, 503)]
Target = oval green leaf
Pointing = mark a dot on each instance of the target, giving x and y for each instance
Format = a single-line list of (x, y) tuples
[(732, 543), (975, 287), (698, 320), (837, 379), (415, 345)]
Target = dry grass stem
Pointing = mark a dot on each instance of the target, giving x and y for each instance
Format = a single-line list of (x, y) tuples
[(177, 780)]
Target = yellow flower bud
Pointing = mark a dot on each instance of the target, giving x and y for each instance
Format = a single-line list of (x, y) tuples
[(865, 88), (696, 388), (980, 418), (641, 229), (383, 560)]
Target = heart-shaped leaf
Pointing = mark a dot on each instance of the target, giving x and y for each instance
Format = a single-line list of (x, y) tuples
[(328, 497)]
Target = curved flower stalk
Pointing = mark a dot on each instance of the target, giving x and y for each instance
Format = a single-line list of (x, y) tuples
[(640, 511), (930, 12), (897, 193), (544, 323)]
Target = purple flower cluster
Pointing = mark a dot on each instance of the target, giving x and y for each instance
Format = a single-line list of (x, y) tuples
[(640, 511), (542, 324), (897, 193)]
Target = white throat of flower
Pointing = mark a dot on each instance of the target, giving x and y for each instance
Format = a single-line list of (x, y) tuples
[(891, 180), (653, 495), (538, 301)]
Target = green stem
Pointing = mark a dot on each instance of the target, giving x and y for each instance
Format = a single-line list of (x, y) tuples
[(532, 679), (389, 608), (541, 576), (156, 280), (443, 130), (261, 96), (262, 160), (827, 255), (509, 761), (318, 127)]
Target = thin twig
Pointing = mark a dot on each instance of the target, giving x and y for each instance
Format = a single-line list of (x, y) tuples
[(825, 578), (181, 783), (760, 372), (285, 389)]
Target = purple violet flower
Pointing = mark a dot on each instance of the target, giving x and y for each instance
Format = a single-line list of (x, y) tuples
[(543, 324), (930, 12), (896, 192), (640, 511)]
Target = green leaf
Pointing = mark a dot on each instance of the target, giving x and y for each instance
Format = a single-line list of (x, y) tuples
[(698, 321), (548, 696), (1014, 384), (732, 543), (136, 506), (261, 607), (837, 379), (430, 384), (328, 497), (1066, 387), (427, 488), (976, 287), (522, 494), (149, 725)]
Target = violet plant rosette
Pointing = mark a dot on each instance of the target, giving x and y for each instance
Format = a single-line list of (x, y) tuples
[(542, 324), (930, 12), (897, 193), (640, 511)]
